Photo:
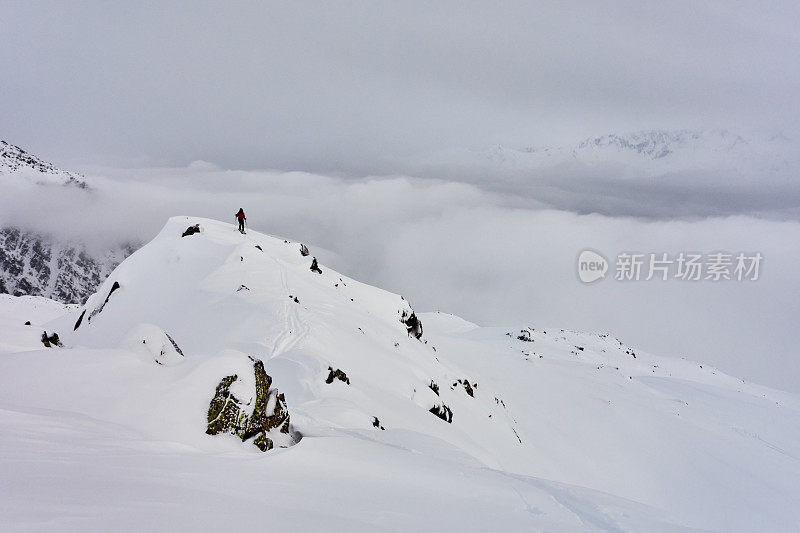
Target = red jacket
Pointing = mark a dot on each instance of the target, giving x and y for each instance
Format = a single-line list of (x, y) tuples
[(240, 215)]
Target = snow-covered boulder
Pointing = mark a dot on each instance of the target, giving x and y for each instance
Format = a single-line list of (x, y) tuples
[(151, 340), (247, 407)]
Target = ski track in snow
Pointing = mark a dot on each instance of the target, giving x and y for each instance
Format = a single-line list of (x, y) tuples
[(295, 328)]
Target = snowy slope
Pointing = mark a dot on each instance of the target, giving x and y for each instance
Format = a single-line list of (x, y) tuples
[(552, 430)]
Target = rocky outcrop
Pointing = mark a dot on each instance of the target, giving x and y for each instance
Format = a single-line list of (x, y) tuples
[(413, 324), (261, 417), (443, 412), (97, 311), (50, 340), (315, 266), (304, 250), (191, 230), (468, 388), (336, 374)]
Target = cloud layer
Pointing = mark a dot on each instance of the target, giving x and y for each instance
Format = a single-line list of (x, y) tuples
[(461, 249)]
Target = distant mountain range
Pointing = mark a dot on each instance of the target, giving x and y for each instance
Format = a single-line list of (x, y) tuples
[(649, 152)]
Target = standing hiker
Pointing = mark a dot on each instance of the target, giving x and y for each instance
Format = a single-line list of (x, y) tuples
[(241, 218)]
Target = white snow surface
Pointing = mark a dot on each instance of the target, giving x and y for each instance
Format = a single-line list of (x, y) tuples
[(565, 431)]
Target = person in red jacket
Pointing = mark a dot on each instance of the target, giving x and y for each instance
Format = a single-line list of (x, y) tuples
[(241, 218)]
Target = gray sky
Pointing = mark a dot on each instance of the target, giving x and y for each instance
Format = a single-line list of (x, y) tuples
[(349, 86), (133, 93)]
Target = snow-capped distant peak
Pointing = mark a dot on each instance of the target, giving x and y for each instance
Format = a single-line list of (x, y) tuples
[(19, 163), (655, 144)]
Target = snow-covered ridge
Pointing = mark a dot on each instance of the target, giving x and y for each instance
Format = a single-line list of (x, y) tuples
[(205, 347), (342, 352), (23, 165)]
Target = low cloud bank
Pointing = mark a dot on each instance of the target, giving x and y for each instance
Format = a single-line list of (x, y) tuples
[(481, 254)]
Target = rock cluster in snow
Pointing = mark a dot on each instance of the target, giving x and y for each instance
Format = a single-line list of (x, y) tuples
[(251, 410)]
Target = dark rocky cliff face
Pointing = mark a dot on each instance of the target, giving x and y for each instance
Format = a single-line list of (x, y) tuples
[(38, 266)]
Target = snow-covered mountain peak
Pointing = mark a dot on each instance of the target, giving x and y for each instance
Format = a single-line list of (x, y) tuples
[(19, 164), (344, 354)]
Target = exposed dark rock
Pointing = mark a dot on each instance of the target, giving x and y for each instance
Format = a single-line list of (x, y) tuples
[(315, 266), (413, 324), (80, 319), (434, 387), (191, 230), (50, 340), (227, 413), (243, 288), (525, 336), (174, 344), (336, 374), (304, 250), (377, 423), (443, 412), (27, 322), (467, 387), (114, 287), (259, 247)]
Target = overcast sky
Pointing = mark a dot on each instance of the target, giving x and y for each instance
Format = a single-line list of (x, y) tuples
[(138, 96), (348, 86)]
